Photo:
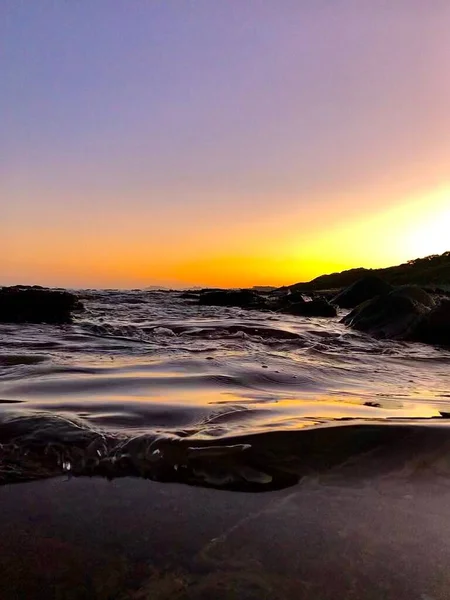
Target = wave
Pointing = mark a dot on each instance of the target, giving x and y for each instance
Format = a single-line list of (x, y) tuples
[(39, 446), (143, 332)]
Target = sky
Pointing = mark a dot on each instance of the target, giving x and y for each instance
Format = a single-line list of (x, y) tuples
[(220, 142)]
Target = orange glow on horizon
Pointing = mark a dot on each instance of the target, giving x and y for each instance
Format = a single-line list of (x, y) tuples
[(276, 252)]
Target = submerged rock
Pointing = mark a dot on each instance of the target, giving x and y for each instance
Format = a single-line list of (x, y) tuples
[(364, 289), (37, 306), (394, 315), (238, 298)]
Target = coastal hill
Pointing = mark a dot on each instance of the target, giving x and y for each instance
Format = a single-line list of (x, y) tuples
[(431, 271)]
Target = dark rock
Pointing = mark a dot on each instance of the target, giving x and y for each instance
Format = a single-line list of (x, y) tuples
[(278, 299), (416, 293), (190, 295), (238, 298), (327, 294), (364, 289), (37, 306), (295, 297), (294, 303), (209, 290), (437, 292), (394, 315), (314, 308), (263, 288), (20, 286), (434, 327)]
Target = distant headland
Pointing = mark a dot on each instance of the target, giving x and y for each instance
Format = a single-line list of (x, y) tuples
[(432, 271)]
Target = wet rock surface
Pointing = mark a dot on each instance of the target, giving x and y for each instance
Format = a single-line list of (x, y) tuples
[(283, 301), (364, 289), (434, 327), (393, 315), (32, 305), (406, 313), (317, 307), (237, 298)]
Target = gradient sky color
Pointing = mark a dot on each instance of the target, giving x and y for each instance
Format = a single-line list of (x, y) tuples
[(220, 142)]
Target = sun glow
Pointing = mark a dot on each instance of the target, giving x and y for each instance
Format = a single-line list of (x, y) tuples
[(291, 248), (431, 232), (407, 230)]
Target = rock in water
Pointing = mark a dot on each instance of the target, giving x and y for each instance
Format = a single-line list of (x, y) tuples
[(434, 327), (364, 289), (293, 298), (190, 295), (238, 298), (394, 315), (37, 306), (314, 308)]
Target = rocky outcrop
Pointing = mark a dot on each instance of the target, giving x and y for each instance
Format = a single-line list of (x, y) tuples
[(434, 327), (289, 303), (406, 313), (292, 298), (393, 315), (19, 305), (237, 298), (27, 287), (364, 289), (313, 308), (189, 295)]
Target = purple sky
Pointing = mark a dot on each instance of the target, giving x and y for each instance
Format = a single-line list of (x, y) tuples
[(137, 137)]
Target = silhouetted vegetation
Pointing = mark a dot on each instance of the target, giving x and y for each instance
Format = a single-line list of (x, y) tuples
[(432, 271)]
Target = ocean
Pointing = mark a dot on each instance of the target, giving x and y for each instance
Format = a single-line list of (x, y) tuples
[(150, 384)]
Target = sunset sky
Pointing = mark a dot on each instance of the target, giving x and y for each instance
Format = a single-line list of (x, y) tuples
[(220, 142)]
